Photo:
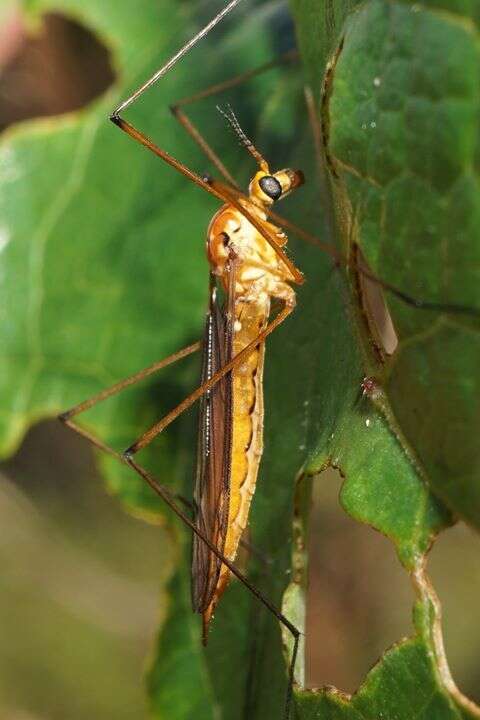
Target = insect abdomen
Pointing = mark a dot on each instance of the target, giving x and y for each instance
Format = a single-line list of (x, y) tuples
[(247, 444)]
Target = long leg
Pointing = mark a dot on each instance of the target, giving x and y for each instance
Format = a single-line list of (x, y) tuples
[(193, 131), (169, 499), (234, 189), (195, 134), (162, 490), (156, 429), (220, 194), (141, 138), (206, 148), (178, 55), (126, 382), (66, 417)]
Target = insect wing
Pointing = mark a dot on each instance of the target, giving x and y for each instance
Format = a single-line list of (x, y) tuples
[(212, 484)]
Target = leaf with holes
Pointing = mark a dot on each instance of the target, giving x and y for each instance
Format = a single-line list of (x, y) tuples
[(363, 65)]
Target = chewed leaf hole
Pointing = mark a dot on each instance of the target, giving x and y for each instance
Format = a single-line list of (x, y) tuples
[(359, 598), (58, 69), (454, 568), (376, 311)]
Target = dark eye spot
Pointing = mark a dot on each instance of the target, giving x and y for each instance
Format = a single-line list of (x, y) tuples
[(271, 187)]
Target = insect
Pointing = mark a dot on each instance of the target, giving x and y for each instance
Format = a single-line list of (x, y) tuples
[(248, 268)]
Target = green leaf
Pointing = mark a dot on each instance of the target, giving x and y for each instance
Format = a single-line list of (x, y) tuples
[(389, 443), (404, 122), (103, 273)]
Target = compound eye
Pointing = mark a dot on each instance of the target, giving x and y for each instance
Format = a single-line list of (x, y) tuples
[(271, 187)]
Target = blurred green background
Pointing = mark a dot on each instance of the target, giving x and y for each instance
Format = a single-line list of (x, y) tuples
[(82, 580)]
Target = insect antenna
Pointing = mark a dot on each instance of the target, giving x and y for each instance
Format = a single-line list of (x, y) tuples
[(232, 120)]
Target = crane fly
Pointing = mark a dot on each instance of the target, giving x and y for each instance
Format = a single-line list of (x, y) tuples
[(252, 272), (248, 269)]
